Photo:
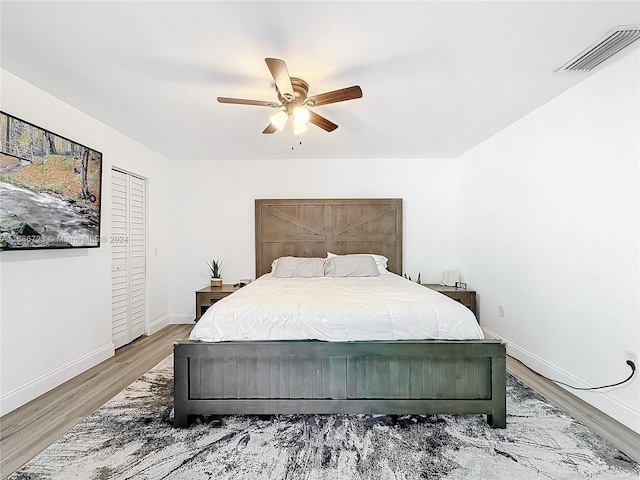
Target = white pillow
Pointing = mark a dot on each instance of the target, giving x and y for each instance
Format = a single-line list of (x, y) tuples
[(301, 267), (381, 260), (351, 266)]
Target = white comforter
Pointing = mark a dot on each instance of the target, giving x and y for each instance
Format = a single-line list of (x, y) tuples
[(387, 307)]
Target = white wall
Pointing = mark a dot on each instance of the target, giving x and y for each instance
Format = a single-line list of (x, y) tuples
[(212, 211), (55, 306), (550, 210)]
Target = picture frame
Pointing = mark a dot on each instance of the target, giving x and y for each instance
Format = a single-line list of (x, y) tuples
[(51, 189)]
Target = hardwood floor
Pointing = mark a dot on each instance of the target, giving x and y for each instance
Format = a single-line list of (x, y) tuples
[(28, 430), (621, 436)]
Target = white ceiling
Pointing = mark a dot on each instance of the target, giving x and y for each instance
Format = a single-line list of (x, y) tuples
[(437, 77)]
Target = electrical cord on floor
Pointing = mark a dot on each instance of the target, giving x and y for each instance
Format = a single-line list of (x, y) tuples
[(629, 362)]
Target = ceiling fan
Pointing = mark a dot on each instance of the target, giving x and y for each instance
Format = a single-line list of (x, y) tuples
[(293, 100)]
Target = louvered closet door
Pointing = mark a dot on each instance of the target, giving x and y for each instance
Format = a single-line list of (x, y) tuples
[(119, 262), (128, 257), (136, 246)]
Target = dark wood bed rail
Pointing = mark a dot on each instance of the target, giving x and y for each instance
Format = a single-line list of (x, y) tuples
[(399, 377)]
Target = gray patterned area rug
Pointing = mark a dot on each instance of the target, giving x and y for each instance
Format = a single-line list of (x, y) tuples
[(132, 437)]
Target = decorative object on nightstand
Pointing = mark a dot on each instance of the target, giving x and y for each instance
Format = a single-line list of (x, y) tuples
[(207, 296), (450, 278), (462, 295), (216, 273), (417, 280)]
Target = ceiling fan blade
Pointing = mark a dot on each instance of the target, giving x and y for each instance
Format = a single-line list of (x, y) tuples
[(242, 101), (281, 76), (321, 122), (271, 128), (349, 93)]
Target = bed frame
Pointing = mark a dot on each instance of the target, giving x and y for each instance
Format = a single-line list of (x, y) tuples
[(306, 377)]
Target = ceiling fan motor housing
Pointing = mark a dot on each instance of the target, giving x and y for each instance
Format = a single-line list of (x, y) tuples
[(300, 91)]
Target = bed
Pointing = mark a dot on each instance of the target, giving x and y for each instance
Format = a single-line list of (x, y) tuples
[(237, 373)]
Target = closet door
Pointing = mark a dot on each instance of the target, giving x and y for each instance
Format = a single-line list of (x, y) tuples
[(128, 257)]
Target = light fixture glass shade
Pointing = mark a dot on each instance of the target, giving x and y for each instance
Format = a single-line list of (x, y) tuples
[(299, 128), (279, 119), (300, 115)]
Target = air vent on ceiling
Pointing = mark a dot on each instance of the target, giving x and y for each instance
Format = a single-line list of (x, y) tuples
[(603, 49)]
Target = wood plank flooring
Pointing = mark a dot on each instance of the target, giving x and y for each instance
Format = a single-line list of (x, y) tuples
[(621, 436), (28, 430)]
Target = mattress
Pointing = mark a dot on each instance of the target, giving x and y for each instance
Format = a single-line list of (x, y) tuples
[(336, 309)]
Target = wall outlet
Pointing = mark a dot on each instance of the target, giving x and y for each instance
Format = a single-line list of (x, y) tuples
[(631, 355), (501, 310)]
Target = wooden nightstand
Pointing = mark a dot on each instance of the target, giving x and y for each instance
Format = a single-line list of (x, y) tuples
[(465, 297), (207, 296)]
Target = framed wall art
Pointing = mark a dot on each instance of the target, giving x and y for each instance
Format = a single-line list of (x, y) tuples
[(50, 189)]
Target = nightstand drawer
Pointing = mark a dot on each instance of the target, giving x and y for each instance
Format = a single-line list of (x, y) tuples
[(210, 295), (465, 297), (209, 298)]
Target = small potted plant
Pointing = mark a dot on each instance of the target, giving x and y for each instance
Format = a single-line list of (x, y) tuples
[(216, 274)]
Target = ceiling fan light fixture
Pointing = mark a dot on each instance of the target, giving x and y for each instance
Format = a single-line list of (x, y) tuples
[(300, 115), (299, 128), (279, 119)]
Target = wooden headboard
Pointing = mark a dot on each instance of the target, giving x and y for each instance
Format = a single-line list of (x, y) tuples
[(313, 227)]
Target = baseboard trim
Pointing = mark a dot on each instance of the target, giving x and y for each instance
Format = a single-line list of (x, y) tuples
[(181, 319), (22, 395), (157, 325), (598, 399)]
